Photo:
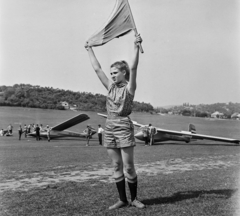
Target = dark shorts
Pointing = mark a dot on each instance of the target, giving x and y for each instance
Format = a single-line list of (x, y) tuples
[(119, 133)]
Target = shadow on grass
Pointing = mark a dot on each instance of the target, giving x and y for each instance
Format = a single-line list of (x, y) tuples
[(179, 196)]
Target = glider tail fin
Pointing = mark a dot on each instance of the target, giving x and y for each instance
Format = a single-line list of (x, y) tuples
[(192, 128)]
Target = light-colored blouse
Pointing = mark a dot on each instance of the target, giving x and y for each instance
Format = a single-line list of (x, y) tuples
[(119, 100)]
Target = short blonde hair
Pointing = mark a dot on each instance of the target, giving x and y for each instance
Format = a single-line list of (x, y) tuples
[(122, 66)]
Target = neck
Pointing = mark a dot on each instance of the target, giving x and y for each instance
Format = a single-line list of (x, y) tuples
[(121, 84)]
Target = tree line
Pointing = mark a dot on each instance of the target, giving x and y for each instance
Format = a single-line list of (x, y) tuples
[(26, 95), (202, 110)]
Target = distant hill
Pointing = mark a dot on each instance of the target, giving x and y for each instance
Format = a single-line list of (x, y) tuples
[(26, 95), (202, 110)]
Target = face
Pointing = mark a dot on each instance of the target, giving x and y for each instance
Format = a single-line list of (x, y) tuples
[(117, 75)]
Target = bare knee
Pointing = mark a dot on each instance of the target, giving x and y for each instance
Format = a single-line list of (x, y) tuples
[(129, 169), (117, 166)]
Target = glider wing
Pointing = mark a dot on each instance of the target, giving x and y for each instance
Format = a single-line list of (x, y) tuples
[(198, 136), (71, 122), (189, 134)]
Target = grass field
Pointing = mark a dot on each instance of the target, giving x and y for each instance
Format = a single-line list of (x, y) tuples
[(64, 177)]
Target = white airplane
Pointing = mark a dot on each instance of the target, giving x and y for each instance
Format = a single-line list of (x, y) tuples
[(59, 130), (186, 136)]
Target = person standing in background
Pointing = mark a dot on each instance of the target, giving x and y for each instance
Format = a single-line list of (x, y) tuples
[(20, 131), (89, 134), (48, 129), (146, 135), (37, 129), (152, 132), (25, 130), (100, 132), (10, 129), (29, 128)]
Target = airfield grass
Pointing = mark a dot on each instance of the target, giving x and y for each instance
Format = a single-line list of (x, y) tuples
[(205, 192), (191, 192)]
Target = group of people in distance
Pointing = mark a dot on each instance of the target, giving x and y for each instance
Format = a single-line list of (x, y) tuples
[(39, 128), (7, 132), (26, 130), (89, 134), (34, 128), (148, 134)]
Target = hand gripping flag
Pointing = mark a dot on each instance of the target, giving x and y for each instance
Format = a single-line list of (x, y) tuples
[(119, 23)]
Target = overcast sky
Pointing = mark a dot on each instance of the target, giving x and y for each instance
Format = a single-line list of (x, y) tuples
[(191, 47)]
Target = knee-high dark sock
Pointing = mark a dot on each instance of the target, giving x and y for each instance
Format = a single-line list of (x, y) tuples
[(120, 182), (132, 184)]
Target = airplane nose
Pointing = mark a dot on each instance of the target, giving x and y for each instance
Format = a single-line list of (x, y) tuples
[(139, 135)]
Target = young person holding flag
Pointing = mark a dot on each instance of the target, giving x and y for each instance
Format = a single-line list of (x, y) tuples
[(119, 132)]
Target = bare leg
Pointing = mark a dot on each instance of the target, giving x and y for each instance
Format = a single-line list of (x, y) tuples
[(88, 137), (128, 162), (151, 139), (115, 155)]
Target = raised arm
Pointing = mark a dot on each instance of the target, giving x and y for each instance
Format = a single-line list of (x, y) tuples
[(97, 67), (132, 85)]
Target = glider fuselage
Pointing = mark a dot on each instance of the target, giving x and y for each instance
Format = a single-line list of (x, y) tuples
[(59, 134), (160, 137)]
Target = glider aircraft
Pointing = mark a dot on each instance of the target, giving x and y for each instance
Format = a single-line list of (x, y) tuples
[(60, 131), (186, 136)]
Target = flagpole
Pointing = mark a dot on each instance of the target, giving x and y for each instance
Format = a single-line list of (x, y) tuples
[(135, 29)]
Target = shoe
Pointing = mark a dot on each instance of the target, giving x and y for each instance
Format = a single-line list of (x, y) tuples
[(118, 204), (137, 204)]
